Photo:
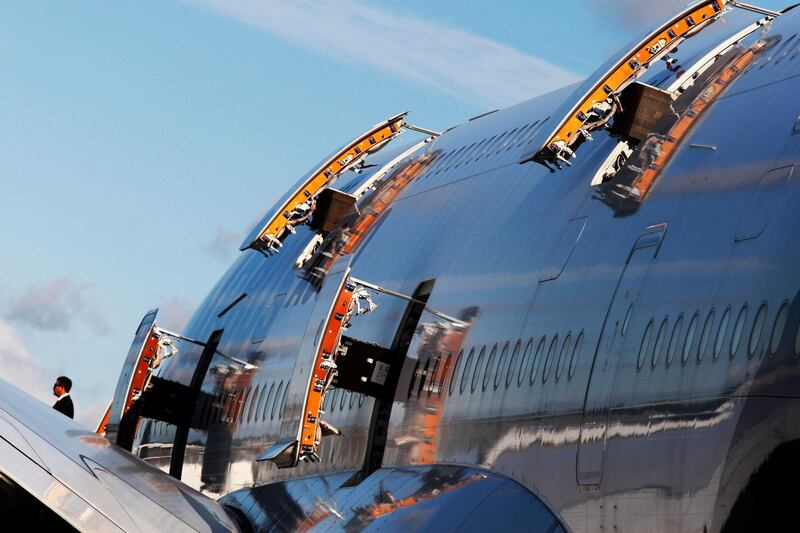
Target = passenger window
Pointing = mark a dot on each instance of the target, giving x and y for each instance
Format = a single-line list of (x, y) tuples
[(576, 353), (466, 371), (549, 360), (723, 330), (423, 377), (645, 346), (738, 329), (253, 401), (687, 344), (276, 401), (487, 373), (501, 369), (673, 341), (523, 364), (269, 399), (537, 358), (562, 357), (661, 337), (758, 327), (705, 336), (777, 329), (414, 378), (476, 374), (283, 399), (465, 155), (508, 141), (432, 378), (454, 377), (512, 365)]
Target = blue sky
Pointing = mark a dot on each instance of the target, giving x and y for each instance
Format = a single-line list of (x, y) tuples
[(141, 140)]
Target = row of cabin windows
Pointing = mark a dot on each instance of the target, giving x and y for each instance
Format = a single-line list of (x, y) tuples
[(340, 399), (789, 48), (699, 342), (489, 146), (239, 405), (542, 358), (661, 341)]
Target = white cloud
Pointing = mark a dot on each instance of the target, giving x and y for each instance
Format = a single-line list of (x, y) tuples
[(224, 245), (18, 367), (55, 305), (465, 66)]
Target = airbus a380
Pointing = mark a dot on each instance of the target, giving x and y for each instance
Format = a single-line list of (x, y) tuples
[(579, 313)]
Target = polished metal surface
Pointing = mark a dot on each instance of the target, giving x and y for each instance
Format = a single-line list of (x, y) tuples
[(623, 373), (630, 378), (91, 484)]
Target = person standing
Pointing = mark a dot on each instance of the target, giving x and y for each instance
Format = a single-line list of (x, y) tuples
[(61, 390)]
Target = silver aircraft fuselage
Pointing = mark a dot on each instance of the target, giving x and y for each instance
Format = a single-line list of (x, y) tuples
[(626, 371)]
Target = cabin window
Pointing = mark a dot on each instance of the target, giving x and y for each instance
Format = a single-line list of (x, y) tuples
[(674, 339), (576, 353), (432, 379), (465, 155), (738, 329), (269, 399), (470, 155), (523, 364), (723, 330), (476, 374), (487, 374), (777, 329), (788, 49), (758, 327), (414, 378), (513, 363), (532, 134), (253, 401), (465, 372), (486, 147), (522, 134), (423, 377), (501, 369), (537, 358), (549, 360), (243, 403), (562, 357), (705, 336), (645, 346), (661, 337), (454, 377), (509, 141), (690, 332), (276, 402)]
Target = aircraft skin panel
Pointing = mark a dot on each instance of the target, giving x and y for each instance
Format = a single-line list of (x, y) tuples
[(698, 359), (92, 484)]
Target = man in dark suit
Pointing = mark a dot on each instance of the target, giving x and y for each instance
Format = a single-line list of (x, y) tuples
[(61, 390)]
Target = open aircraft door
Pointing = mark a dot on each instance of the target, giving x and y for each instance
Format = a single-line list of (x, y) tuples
[(132, 381), (594, 424), (314, 369)]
